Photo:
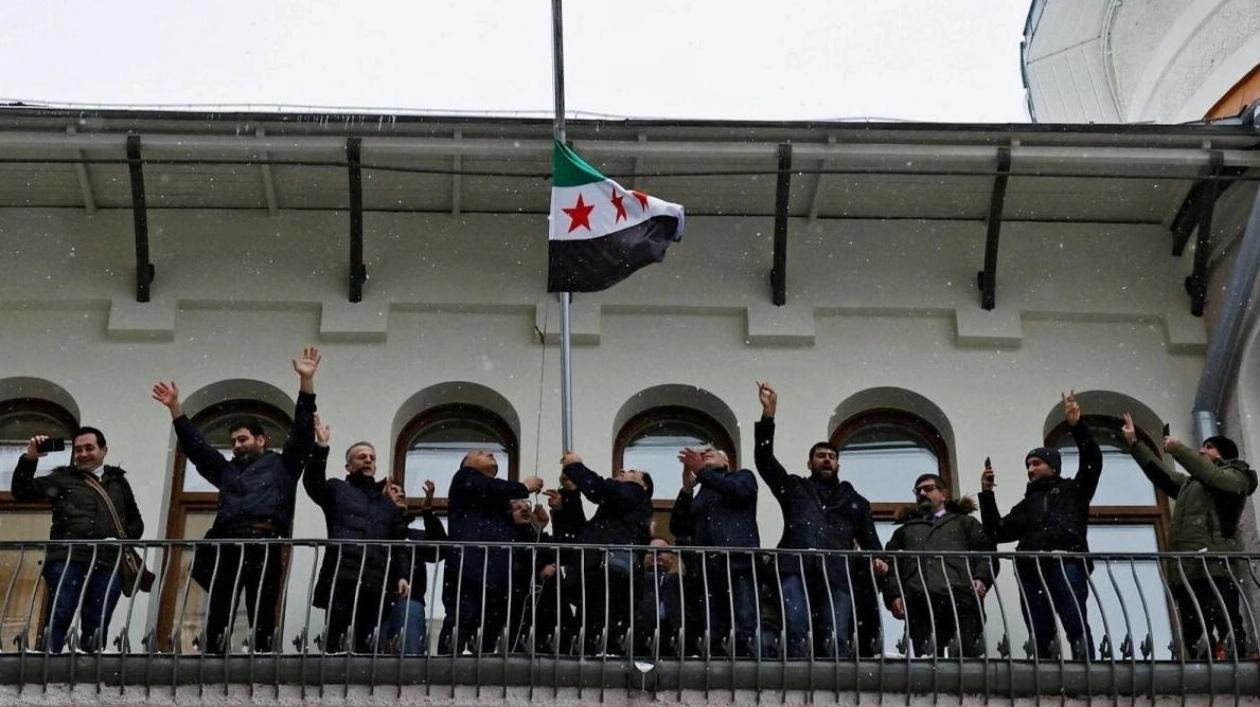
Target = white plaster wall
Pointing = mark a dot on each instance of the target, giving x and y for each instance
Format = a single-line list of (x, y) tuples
[(871, 303)]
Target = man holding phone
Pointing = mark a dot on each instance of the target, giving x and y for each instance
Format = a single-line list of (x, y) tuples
[(86, 497)]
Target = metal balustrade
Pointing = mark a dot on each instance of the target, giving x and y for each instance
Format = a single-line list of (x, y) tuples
[(594, 618)]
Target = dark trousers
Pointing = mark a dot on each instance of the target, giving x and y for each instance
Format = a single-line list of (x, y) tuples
[(1220, 613), (732, 603), (256, 572), (69, 581), (356, 617), (605, 608), (475, 615), (949, 616), (1062, 589)]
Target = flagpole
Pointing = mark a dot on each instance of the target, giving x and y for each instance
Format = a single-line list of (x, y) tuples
[(566, 353)]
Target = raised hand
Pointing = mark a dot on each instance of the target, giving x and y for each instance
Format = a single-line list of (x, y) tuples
[(323, 432), (769, 399), (533, 484), (168, 395), (539, 516), (306, 366), (987, 481), (429, 489), (570, 457), (554, 501), (1071, 408), (32, 447), (1128, 429)]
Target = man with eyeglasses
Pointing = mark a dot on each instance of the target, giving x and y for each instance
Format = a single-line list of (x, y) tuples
[(940, 597), (1053, 517), (820, 512)]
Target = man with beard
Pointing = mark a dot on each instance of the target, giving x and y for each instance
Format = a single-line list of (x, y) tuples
[(357, 582), (257, 490), (1054, 516), (820, 512), (940, 597), (80, 512)]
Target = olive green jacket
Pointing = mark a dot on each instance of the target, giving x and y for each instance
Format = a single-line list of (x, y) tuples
[(1210, 499), (942, 575)]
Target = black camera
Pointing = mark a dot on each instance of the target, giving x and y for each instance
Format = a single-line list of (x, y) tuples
[(52, 445)]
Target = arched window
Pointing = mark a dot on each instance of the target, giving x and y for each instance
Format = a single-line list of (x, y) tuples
[(21, 419), (883, 451), (192, 509), (650, 441), (432, 445)]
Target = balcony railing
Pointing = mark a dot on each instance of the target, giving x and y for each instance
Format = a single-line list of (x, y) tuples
[(660, 619)]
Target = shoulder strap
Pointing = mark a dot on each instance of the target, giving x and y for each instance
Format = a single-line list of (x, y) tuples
[(90, 479)]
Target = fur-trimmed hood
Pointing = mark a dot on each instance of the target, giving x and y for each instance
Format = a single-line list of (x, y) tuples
[(962, 506)]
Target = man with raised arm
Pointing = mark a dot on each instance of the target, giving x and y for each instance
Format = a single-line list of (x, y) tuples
[(1211, 498), (357, 582), (1052, 517), (475, 581), (257, 491), (820, 512), (89, 500)]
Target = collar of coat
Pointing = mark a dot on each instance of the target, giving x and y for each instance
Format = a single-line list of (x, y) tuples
[(959, 506), (365, 482)]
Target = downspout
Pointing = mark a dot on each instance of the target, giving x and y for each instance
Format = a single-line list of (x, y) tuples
[(1227, 335)]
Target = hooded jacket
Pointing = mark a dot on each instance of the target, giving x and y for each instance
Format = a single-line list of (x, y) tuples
[(818, 513), (78, 511), (1054, 514), (956, 530), (1210, 502)]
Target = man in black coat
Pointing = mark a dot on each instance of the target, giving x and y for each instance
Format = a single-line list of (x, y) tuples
[(80, 512), (408, 619), (357, 582), (723, 513), (1054, 515), (475, 581), (623, 516), (820, 512), (257, 491)]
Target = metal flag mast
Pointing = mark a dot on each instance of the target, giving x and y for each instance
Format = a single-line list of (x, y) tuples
[(566, 371)]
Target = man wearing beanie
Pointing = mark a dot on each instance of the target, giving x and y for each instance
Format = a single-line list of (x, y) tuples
[(1210, 500), (1054, 516)]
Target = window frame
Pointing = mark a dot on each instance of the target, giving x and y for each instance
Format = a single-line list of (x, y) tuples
[(452, 411), (640, 422), (38, 406), (882, 511)]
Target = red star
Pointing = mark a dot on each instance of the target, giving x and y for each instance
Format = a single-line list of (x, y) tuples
[(641, 197), (579, 215), (617, 198)]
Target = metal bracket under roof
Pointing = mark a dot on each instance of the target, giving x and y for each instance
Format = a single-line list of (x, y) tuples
[(987, 278), (778, 273), (358, 271), (1202, 195), (144, 268), (1196, 282)]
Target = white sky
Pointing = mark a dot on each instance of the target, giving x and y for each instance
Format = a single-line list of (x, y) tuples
[(935, 60)]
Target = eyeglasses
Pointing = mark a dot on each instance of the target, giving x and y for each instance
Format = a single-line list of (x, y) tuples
[(926, 488)]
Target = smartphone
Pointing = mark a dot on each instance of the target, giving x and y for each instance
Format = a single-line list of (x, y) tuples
[(1167, 431), (51, 445), (988, 463)]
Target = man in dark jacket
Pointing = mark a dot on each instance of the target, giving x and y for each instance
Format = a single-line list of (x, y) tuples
[(1054, 516), (820, 512), (475, 581), (257, 490), (1210, 499), (79, 512), (408, 619), (723, 513), (357, 582), (622, 517), (940, 597)]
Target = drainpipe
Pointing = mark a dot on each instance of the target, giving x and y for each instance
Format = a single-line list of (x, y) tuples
[(1227, 335)]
